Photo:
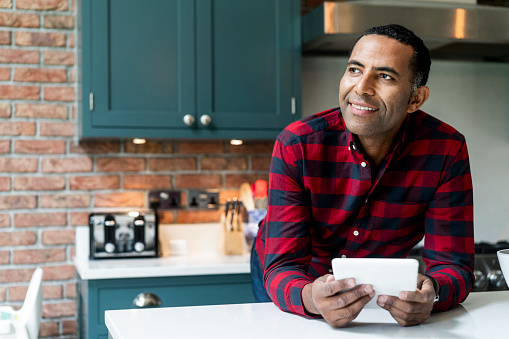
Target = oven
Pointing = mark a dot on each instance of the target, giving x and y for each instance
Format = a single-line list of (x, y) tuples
[(487, 272)]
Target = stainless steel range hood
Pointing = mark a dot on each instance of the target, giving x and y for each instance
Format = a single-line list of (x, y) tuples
[(450, 31)]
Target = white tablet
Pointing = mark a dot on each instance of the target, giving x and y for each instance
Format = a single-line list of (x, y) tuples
[(387, 276)]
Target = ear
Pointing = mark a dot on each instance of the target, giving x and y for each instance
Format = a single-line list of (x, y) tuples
[(418, 99)]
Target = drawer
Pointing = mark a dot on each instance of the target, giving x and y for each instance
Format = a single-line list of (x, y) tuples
[(119, 294)]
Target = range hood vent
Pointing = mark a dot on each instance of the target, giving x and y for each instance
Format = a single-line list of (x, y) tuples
[(450, 31)]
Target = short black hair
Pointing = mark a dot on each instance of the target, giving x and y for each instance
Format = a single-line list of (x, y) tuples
[(421, 60)]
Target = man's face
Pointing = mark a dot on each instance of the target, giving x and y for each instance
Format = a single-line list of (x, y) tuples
[(375, 90)]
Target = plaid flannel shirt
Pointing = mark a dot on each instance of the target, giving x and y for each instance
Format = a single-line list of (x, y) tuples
[(326, 201)]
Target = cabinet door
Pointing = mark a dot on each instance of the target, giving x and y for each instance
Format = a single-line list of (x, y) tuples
[(138, 62), (248, 64)]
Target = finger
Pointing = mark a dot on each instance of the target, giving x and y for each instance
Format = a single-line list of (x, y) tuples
[(424, 295), (405, 313), (343, 316), (330, 288)]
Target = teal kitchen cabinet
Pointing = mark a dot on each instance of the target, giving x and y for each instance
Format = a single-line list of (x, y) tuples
[(200, 69), (97, 296)]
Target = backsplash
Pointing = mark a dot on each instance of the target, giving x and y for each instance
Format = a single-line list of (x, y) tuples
[(50, 183)]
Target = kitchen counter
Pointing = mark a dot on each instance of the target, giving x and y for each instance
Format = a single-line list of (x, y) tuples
[(482, 315), (199, 264)]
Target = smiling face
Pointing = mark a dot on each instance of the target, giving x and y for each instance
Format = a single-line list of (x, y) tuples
[(375, 93)]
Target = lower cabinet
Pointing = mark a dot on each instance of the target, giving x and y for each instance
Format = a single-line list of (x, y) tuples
[(97, 296)]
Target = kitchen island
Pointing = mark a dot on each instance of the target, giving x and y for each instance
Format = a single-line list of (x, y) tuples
[(482, 315)]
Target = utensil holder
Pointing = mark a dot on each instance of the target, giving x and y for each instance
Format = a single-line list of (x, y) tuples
[(232, 238)]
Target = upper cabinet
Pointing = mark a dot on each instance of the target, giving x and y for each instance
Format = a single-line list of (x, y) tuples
[(189, 68)]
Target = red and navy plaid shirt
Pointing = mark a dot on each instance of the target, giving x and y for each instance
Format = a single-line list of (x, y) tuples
[(326, 201)]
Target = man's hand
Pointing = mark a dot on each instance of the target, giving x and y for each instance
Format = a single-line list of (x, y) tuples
[(411, 308), (328, 297)]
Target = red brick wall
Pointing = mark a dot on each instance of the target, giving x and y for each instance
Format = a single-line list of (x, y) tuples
[(49, 184)]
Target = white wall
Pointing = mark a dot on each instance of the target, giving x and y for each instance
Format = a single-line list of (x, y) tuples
[(473, 97)]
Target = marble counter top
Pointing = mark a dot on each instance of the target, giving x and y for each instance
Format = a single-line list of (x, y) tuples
[(482, 315), (200, 264)]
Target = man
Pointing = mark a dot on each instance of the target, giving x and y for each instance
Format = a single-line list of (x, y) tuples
[(370, 179)]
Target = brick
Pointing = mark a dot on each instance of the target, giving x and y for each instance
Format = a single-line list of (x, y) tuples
[(18, 165), (147, 181), (94, 182), (39, 219), (57, 129), (5, 220), (5, 38), (59, 21), (124, 199), (173, 164), (39, 146), (58, 237), (166, 217), (68, 326), (186, 216), (17, 238), (253, 147), (59, 272), (18, 293), (152, 147), (235, 180), (59, 94), (58, 58), (40, 75), (39, 183), (95, 147), (70, 290), (2, 294), (39, 39), (19, 56), (198, 180), (223, 163), (43, 5), (5, 257), (65, 200), (5, 110), (72, 75), (120, 164), (200, 147), (20, 92), (48, 329), (79, 218), (18, 202), (5, 3), (57, 310), (5, 146), (5, 183), (17, 128), (5, 74), (37, 256), (66, 165), (46, 111), (9, 19), (260, 163), (16, 275)]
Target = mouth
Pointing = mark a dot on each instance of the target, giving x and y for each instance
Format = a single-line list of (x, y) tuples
[(363, 108)]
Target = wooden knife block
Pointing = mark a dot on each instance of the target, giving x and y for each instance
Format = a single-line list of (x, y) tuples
[(231, 241)]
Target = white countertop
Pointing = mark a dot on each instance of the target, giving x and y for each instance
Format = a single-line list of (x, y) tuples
[(482, 315), (199, 264)]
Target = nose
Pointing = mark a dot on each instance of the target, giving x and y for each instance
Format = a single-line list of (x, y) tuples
[(364, 85)]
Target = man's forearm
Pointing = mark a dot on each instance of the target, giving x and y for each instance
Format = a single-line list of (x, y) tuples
[(307, 300)]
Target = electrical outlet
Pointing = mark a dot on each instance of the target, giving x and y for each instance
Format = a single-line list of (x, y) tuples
[(165, 200), (197, 199)]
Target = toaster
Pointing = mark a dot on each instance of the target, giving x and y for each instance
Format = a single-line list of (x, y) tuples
[(123, 235)]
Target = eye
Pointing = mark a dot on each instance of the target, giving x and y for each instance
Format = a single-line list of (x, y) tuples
[(354, 70), (386, 76)]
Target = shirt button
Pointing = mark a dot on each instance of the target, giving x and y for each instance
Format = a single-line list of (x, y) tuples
[(349, 148), (366, 201), (353, 146), (363, 164), (343, 256), (356, 233)]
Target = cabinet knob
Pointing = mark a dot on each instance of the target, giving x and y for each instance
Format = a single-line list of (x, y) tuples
[(205, 120), (189, 119), (146, 300)]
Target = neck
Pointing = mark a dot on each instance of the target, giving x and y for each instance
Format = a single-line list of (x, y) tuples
[(375, 150)]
